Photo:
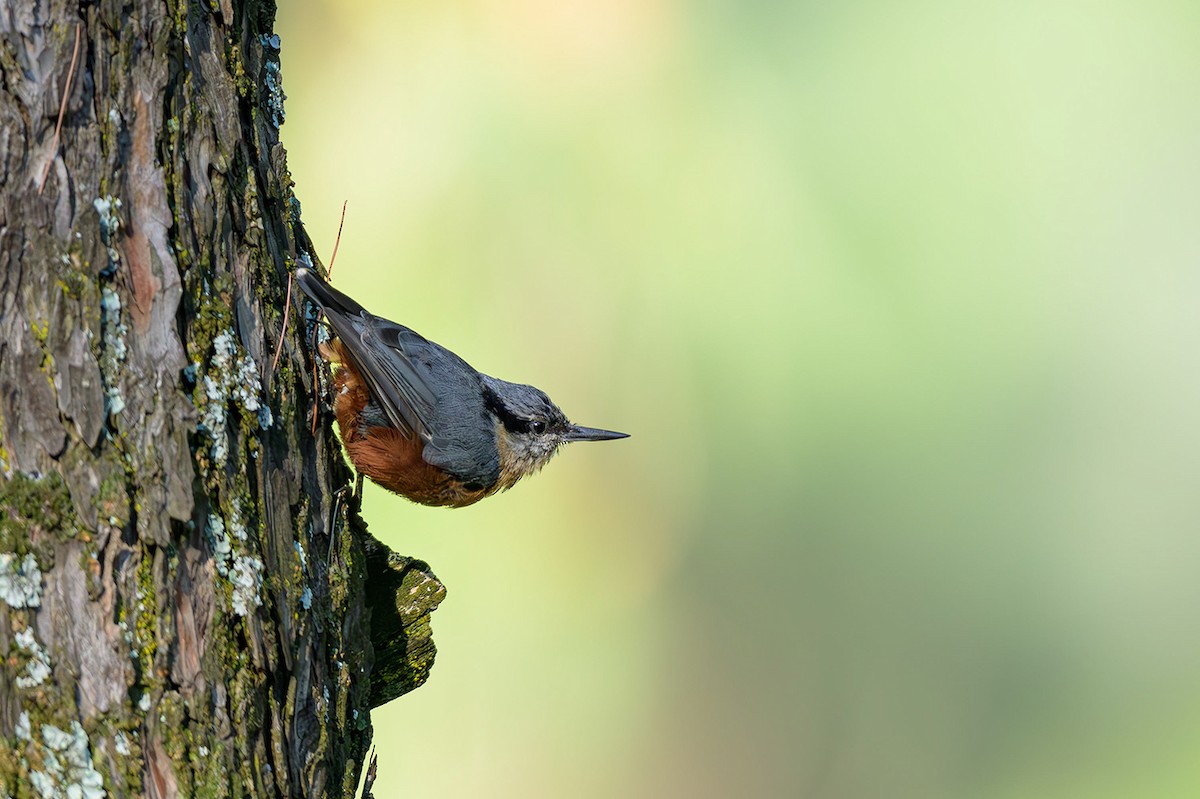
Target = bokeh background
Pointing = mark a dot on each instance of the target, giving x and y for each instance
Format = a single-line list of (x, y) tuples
[(899, 302)]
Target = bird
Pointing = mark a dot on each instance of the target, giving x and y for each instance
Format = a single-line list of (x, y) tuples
[(423, 423)]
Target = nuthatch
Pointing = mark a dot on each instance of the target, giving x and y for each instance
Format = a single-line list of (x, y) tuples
[(419, 421)]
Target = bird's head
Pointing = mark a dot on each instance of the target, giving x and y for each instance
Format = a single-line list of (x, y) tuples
[(532, 428)]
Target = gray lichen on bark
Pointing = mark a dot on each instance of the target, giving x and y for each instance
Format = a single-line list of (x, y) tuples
[(170, 624)]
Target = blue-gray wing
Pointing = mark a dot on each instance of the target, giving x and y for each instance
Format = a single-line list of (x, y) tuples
[(396, 380), (439, 396)]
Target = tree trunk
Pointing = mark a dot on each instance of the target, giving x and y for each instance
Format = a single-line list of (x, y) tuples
[(185, 607)]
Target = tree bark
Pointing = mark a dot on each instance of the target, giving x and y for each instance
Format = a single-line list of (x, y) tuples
[(186, 590)]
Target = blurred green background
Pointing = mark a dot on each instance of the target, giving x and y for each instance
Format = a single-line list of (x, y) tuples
[(898, 301)]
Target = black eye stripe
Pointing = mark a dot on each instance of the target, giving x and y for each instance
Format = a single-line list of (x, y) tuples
[(534, 417), (511, 422)]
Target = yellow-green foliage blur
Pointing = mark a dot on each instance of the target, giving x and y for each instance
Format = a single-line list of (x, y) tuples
[(899, 302)]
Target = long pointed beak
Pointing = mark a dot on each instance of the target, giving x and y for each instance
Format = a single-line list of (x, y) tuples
[(577, 433)]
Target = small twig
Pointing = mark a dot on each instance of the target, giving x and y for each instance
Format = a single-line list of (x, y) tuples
[(288, 305), (329, 275), (287, 311), (337, 241), (62, 109), (317, 405)]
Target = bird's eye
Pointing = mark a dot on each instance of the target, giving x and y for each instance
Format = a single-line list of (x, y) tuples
[(537, 427)]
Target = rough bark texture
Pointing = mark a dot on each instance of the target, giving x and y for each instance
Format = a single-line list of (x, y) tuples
[(175, 617)]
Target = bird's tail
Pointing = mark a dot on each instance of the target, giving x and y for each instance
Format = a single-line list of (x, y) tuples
[(333, 302)]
